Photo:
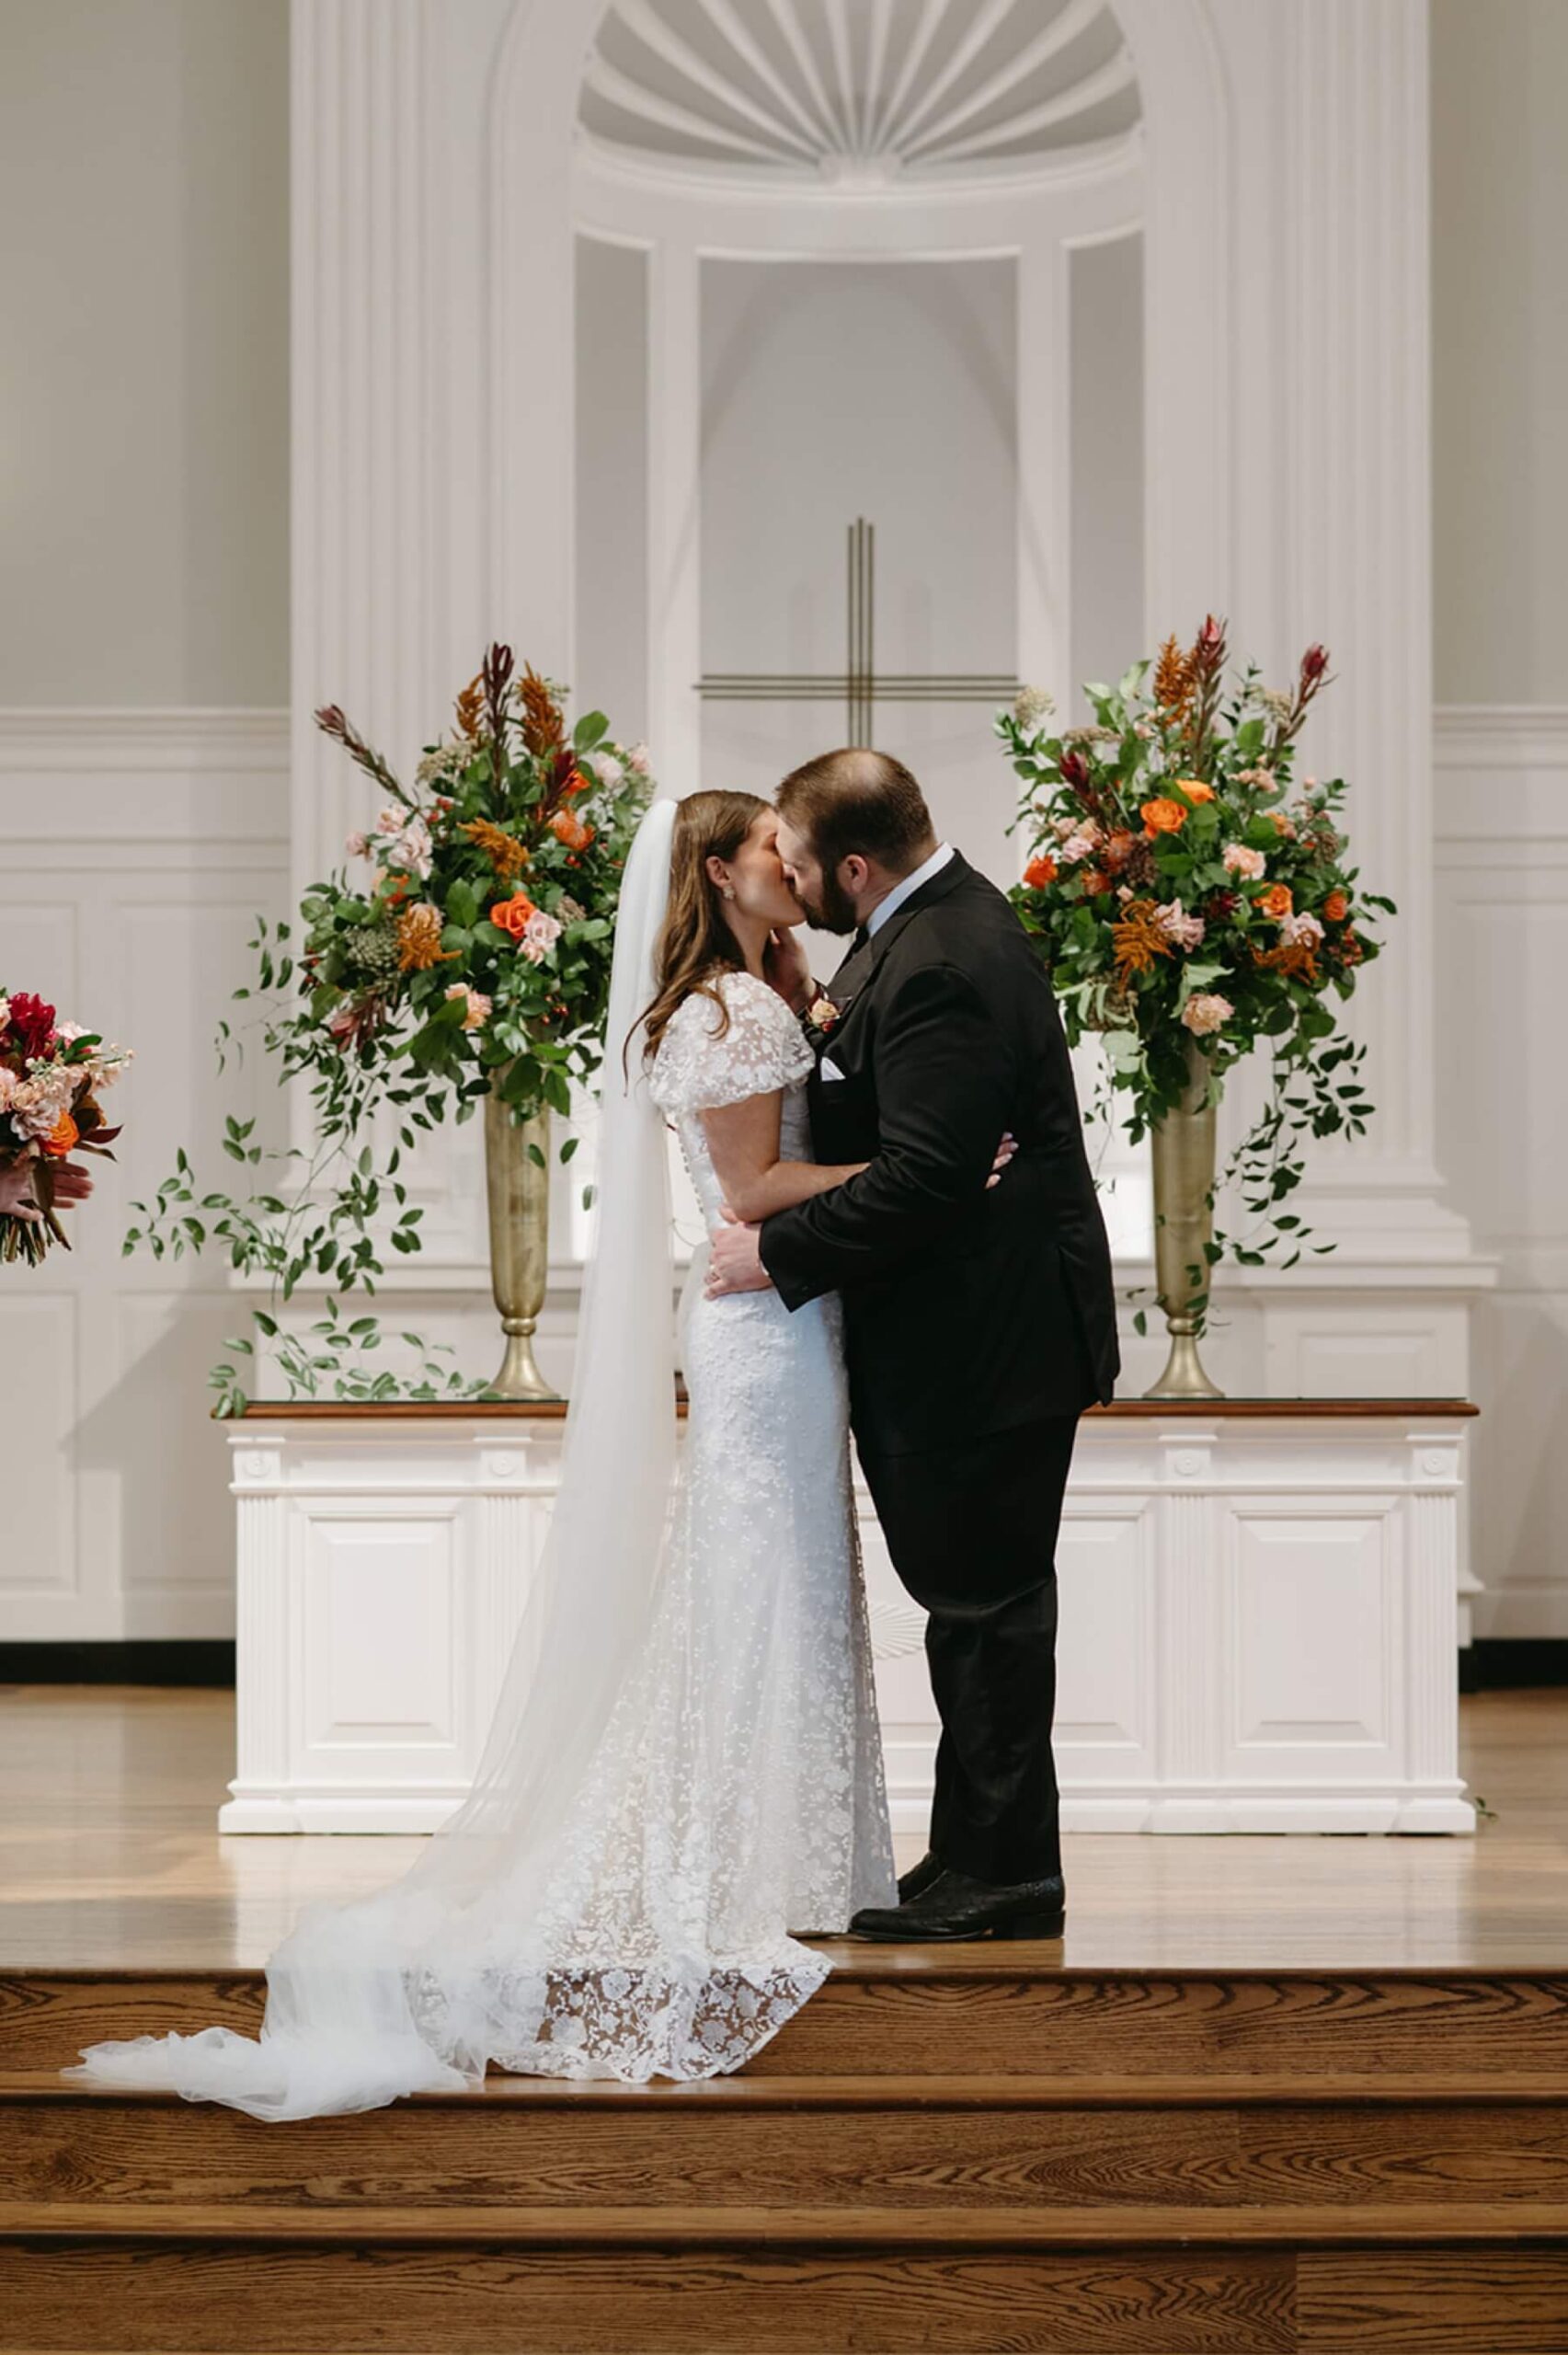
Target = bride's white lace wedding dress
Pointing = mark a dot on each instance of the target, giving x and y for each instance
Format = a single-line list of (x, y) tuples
[(624, 1907)]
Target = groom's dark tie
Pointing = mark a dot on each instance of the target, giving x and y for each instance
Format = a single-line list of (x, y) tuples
[(858, 943)]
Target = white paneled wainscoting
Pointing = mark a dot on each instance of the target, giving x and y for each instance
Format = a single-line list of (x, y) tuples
[(1258, 1618)]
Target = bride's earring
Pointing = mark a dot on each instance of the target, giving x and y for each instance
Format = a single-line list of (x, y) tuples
[(729, 890)]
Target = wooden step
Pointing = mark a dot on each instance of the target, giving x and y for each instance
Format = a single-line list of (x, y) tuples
[(983, 2010), (155, 2164), (1137, 2299)]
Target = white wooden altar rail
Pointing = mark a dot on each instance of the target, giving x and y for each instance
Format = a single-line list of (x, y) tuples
[(1258, 1615)]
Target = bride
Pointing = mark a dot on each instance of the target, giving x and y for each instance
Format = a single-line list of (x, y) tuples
[(684, 1773)]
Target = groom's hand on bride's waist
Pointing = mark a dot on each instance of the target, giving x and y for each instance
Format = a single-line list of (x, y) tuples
[(734, 1258)]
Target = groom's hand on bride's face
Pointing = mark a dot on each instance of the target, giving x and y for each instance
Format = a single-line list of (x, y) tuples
[(735, 1260), (785, 967)]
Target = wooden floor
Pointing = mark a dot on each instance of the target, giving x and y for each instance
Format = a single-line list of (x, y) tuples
[(108, 1858)]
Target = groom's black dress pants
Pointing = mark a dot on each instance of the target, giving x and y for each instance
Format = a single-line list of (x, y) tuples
[(972, 1531)]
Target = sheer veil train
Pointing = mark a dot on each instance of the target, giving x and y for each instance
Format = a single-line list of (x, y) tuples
[(418, 1986)]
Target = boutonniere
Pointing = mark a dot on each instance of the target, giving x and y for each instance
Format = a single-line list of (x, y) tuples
[(819, 1017)]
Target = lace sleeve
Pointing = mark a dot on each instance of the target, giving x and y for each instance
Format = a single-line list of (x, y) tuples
[(698, 1068)]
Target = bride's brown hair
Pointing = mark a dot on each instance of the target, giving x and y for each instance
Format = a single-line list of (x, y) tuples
[(694, 942)]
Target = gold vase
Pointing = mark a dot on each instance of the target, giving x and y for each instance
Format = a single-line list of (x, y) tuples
[(1184, 1224), (518, 1187)]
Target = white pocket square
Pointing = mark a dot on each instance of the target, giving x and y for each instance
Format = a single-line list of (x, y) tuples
[(828, 1069)]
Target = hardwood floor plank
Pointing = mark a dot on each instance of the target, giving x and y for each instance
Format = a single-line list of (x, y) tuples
[(55, 2300)]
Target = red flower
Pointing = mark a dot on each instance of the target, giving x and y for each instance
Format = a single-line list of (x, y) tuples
[(1314, 663), (32, 1023), (1074, 769), (1039, 872)]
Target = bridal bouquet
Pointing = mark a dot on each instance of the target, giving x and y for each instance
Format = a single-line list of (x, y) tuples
[(465, 951), (1192, 899), (50, 1075)]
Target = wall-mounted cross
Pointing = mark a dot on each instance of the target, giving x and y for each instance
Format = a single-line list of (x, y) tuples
[(860, 683)]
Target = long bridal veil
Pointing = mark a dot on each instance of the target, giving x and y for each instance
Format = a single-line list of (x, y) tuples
[(418, 1986)]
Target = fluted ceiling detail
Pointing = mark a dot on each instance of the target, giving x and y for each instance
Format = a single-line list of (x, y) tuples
[(873, 91)]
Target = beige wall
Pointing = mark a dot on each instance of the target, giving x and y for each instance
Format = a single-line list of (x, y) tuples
[(144, 351), (1500, 349)]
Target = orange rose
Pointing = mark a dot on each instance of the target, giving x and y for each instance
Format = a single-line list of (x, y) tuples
[(570, 831), (510, 916), (1094, 880), (1039, 872), (1162, 816), (1336, 907), (1194, 787), (60, 1137), (1275, 902)]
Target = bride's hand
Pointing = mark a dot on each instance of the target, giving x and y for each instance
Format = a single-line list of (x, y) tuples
[(1004, 1153)]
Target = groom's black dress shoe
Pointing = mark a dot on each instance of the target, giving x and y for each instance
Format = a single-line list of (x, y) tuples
[(918, 1880), (952, 1906)]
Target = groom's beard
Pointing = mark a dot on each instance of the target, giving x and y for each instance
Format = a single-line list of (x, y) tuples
[(832, 910)]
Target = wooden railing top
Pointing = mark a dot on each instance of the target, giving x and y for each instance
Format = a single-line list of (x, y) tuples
[(395, 1410)]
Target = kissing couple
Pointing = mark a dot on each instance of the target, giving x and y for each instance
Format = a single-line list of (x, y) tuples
[(684, 1777)]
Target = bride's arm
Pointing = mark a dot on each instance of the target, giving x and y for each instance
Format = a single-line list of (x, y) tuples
[(744, 1142)]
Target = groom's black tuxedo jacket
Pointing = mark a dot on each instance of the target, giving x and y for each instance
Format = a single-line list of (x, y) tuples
[(965, 1311)]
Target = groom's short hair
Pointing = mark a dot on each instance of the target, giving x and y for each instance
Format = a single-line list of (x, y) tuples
[(857, 800)]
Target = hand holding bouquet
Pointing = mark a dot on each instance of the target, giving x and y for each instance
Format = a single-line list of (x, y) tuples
[(49, 1075)]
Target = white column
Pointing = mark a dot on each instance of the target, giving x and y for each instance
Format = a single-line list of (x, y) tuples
[(674, 533), (1287, 454), (363, 444)]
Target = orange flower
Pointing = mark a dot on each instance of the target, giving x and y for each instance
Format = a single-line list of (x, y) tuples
[(1194, 787), (419, 940), (1039, 872), (1138, 939), (1275, 902), (576, 783), (1094, 880), (60, 1137), (570, 831), (1336, 907), (510, 916), (1162, 816), (1118, 850)]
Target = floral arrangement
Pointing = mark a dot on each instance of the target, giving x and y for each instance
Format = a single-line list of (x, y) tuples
[(50, 1075), (1191, 900), (472, 959)]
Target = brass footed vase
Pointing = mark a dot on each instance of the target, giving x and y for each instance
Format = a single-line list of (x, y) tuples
[(1184, 1145), (518, 1187)]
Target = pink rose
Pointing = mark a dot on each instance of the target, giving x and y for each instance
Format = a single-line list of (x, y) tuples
[(476, 1006), (1241, 860), (1203, 1013), (1184, 931), (538, 937), (1304, 926)]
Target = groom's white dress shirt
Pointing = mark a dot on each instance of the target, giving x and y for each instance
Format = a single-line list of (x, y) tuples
[(907, 888)]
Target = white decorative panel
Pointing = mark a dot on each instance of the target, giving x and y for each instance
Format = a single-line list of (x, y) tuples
[(380, 1624), (1293, 1576), (1106, 1642), (38, 1345)]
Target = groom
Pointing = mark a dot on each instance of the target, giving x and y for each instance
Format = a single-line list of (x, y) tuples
[(978, 1325)]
